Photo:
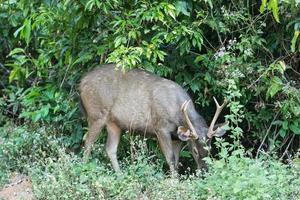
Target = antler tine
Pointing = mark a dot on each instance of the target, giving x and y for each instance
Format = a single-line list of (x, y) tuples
[(188, 121), (217, 104), (219, 109), (183, 105)]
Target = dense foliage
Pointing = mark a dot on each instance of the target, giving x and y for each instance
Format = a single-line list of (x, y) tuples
[(235, 50), (245, 51)]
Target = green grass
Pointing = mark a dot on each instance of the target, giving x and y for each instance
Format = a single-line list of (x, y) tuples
[(56, 174)]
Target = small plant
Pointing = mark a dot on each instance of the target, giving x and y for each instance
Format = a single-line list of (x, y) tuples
[(235, 177), (21, 147)]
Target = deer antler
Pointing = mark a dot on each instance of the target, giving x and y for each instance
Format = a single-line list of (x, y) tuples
[(219, 109), (188, 121)]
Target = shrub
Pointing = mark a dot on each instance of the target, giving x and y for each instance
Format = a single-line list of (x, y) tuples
[(233, 177), (57, 174), (205, 46), (21, 147)]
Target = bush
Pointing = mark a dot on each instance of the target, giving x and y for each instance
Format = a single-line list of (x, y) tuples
[(56, 174), (208, 47), (21, 147), (244, 178), (235, 177)]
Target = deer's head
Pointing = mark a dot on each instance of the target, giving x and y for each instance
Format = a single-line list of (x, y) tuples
[(197, 141)]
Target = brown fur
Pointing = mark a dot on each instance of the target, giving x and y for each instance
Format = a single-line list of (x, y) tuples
[(137, 101)]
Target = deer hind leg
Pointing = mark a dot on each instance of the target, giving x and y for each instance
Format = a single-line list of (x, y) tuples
[(95, 127), (113, 139)]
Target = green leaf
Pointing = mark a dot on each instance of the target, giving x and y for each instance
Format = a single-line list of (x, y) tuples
[(199, 59), (277, 122), (273, 5), (171, 11), (185, 154), (295, 128), (282, 133), (285, 125), (210, 3), (194, 87), (296, 110), (275, 87), (294, 40), (36, 116), (26, 32), (208, 77), (181, 7), (120, 40), (83, 58), (19, 30), (263, 6), (281, 67), (16, 51), (45, 111), (14, 74), (101, 50)]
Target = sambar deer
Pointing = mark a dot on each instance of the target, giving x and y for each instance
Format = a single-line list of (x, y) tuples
[(141, 101)]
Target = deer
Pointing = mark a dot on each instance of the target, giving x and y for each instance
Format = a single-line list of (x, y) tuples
[(143, 102)]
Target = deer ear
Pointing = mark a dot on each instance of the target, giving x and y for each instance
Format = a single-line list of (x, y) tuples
[(220, 129), (183, 133), (219, 132)]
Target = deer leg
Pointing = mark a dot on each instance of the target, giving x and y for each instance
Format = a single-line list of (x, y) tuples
[(112, 143), (95, 127), (177, 145), (165, 143)]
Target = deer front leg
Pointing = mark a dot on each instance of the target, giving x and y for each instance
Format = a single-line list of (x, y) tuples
[(165, 143), (113, 139), (177, 145)]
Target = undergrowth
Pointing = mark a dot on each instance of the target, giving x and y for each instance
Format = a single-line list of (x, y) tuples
[(59, 174)]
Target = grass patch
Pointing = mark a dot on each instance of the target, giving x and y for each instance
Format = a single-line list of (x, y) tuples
[(56, 174)]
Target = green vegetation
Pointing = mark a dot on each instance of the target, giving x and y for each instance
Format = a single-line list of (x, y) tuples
[(60, 175), (246, 52)]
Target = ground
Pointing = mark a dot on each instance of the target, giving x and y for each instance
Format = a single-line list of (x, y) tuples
[(19, 187)]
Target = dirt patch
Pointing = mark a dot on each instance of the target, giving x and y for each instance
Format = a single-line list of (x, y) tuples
[(19, 187)]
